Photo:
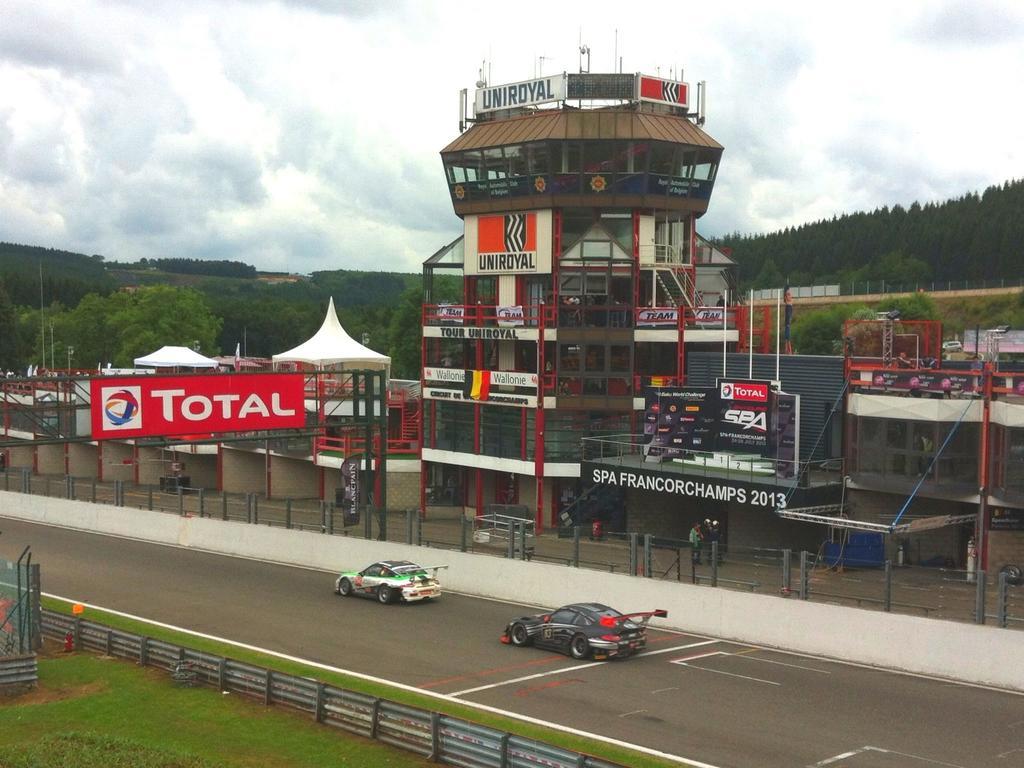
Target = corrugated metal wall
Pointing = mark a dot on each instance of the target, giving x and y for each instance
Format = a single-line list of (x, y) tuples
[(817, 379)]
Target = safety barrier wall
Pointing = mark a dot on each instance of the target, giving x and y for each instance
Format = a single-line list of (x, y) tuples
[(964, 652)]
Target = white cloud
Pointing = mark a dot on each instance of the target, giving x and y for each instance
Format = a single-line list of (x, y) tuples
[(304, 134)]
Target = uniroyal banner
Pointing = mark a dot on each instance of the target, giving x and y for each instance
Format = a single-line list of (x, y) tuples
[(662, 91), (508, 244), (142, 406)]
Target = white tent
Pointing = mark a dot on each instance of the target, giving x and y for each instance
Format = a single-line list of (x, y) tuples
[(174, 357), (332, 345)]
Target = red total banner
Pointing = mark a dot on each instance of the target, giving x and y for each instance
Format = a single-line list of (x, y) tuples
[(141, 406)]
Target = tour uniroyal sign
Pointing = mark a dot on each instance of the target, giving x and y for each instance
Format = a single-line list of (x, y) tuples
[(142, 406)]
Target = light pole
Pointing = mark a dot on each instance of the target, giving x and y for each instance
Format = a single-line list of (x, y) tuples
[(52, 364), (71, 351)]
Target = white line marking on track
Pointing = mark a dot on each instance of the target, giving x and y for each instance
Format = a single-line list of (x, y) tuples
[(780, 663), (402, 686), (634, 712), (685, 663), (679, 648), (663, 690), (527, 677), (862, 750)]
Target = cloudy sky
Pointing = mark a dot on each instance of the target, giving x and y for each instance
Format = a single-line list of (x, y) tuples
[(304, 134)]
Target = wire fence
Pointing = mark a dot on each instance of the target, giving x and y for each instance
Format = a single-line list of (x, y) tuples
[(876, 287), (995, 598), (437, 737)]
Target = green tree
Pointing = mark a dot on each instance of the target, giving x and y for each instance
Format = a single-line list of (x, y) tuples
[(406, 334), (162, 315), (9, 357)]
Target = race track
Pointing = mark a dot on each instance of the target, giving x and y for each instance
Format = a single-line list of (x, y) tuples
[(711, 702)]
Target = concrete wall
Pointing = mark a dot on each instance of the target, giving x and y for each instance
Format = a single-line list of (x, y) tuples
[(1005, 548), (244, 471), (979, 654), (18, 456), (82, 460), (50, 459), (113, 458), (293, 478), (949, 543)]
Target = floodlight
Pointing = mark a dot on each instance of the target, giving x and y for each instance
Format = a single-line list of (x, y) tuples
[(1000, 329), (893, 314)]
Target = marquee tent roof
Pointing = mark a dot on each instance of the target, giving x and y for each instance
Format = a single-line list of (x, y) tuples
[(175, 357), (331, 345)]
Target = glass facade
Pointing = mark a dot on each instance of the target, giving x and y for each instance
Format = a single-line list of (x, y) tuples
[(598, 167), (899, 450)]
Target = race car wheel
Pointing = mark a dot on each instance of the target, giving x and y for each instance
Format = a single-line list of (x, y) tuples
[(345, 588), (518, 635), (579, 648), (384, 595)]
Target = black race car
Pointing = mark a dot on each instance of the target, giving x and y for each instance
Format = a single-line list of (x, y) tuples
[(582, 629)]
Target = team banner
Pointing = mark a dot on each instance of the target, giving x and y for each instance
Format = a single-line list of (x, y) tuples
[(653, 318), (709, 316), (451, 314), (511, 316), (141, 406)]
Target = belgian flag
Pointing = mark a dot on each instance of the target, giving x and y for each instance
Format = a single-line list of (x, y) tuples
[(477, 385)]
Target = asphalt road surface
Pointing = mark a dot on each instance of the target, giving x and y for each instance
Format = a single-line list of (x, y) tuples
[(709, 701)]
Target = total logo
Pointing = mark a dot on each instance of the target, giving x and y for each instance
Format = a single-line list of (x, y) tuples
[(747, 419), (730, 390), (121, 407)]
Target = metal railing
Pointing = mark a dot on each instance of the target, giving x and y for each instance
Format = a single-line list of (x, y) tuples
[(437, 737), (874, 287), (944, 592)]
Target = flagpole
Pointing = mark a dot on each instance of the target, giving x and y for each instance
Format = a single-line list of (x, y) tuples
[(778, 309), (725, 314), (750, 337)]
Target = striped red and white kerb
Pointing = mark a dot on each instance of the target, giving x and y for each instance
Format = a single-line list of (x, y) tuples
[(663, 91)]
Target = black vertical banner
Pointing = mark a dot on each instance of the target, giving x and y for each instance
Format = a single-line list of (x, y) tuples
[(349, 496)]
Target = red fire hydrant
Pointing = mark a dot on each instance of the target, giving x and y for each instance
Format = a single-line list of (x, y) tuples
[(69, 642)]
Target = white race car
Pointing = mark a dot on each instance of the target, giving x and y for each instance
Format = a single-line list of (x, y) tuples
[(389, 581)]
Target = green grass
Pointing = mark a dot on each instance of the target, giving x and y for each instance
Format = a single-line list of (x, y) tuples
[(95, 712), (567, 741)]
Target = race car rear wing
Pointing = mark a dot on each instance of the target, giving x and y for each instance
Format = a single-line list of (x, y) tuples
[(409, 568), (642, 616)]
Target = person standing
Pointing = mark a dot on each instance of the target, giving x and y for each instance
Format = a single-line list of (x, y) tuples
[(696, 540), (715, 538)]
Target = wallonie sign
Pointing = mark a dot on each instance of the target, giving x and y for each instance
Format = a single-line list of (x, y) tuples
[(139, 406)]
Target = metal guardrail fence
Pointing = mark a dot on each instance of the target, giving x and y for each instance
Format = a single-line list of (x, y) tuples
[(939, 592), (18, 671), (432, 735)]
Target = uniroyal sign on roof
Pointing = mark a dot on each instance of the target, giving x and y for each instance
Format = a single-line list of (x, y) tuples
[(662, 91), (137, 406), (525, 94)]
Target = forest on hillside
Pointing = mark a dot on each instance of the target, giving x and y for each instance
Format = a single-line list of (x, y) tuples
[(973, 237)]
